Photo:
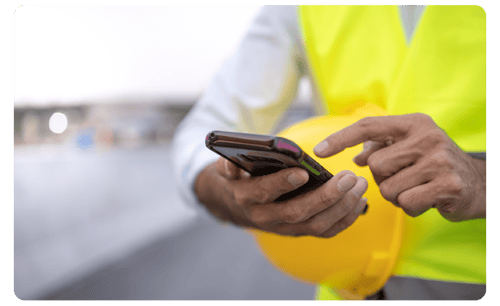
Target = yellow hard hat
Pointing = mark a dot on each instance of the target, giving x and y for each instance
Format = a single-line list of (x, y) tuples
[(360, 259)]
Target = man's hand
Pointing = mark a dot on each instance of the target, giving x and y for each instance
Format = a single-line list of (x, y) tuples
[(416, 165), (232, 194)]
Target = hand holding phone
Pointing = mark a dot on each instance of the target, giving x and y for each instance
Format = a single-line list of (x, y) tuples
[(262, 154), (251, 199)]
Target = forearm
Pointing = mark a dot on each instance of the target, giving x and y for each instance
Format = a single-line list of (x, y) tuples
[(209, 195)]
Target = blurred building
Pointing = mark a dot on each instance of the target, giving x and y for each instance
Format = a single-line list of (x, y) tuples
[(116, 125), (120, 125)]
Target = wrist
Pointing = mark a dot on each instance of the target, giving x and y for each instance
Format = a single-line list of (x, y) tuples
[(480, 189), (204, 188)]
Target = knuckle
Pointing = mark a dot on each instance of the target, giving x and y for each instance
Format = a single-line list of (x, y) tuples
[(405, 203), (410, 212), (326, 235), (402, 200), (373, 163), (366, 122), (378, 166), (319, 228), (296, 233), (344, 205), (292, 230), (455, 185), (340, 226), (259, 217), (240, 197), (329, 234), (326, 198), (343, 224), (439, 158), (449, 208), (351, 218), (444, 160), (386, 190), (261, 195), (292, 215), (435, 136), (423, 117)]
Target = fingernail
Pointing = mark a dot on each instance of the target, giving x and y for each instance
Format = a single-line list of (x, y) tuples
[(362, 200), (346, 183), (319, 148), (295, 179), (365, 209), (227, 169)]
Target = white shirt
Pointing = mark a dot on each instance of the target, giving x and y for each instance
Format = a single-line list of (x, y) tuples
[(251, 91)]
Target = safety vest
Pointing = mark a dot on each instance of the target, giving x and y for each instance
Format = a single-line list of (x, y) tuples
[(358, 55)]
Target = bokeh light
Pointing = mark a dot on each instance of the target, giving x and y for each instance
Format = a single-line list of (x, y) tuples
[(58, 123)]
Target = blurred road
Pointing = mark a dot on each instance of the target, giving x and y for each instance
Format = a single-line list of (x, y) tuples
[(206, 262), (93, 224)]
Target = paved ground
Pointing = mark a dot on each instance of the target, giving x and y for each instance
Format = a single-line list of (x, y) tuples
[(206, 262), (94, 225)]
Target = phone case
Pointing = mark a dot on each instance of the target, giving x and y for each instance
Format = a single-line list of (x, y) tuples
[(262, 155)]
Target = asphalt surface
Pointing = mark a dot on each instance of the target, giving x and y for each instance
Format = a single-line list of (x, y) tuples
[(97, 225), (208, 261)]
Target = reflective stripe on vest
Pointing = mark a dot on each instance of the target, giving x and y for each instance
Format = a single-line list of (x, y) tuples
[(358, 55)]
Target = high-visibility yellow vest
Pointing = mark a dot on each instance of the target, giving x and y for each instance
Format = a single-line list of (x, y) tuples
[(358, 55)]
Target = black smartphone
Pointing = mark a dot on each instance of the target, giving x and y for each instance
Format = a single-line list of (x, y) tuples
[(262, 154)]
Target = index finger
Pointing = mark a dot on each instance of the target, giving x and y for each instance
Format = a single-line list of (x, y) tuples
[(379, 129), (227, 169)]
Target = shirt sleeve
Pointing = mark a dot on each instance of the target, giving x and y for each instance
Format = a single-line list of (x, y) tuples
[(248, 94)]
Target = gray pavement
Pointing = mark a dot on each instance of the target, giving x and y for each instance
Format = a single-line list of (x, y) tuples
[(99, 224), (208, 261)]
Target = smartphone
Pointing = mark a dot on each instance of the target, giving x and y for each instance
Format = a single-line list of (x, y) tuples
[(262, 155)]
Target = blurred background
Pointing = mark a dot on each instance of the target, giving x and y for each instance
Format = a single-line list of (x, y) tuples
[(99, 91)]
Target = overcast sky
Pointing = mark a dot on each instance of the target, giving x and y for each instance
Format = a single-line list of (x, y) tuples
[(74, 54)]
